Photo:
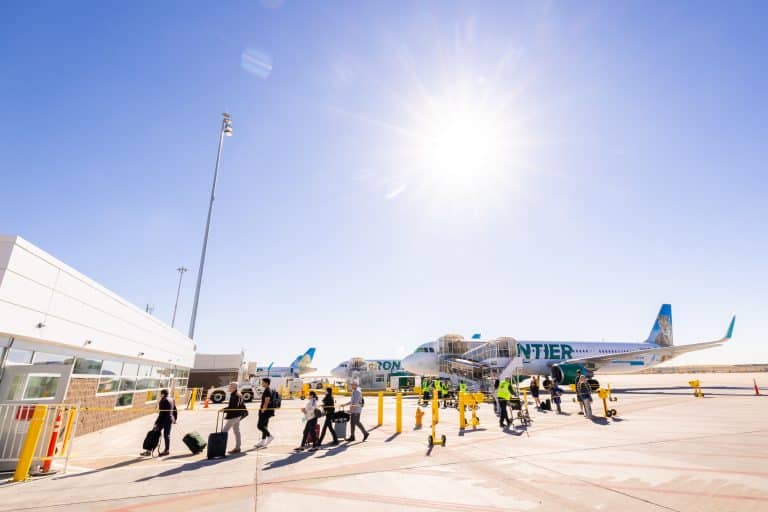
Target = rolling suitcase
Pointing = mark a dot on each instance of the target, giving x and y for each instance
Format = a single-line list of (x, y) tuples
[(194, 442), (217, 441), (151, 440), (340, 421)]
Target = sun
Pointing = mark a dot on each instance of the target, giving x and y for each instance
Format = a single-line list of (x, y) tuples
[(458, 148)]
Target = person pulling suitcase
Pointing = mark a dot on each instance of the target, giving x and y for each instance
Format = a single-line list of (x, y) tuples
[(233, 414)]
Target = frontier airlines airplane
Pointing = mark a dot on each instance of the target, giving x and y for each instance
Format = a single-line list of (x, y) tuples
[(453, 357)]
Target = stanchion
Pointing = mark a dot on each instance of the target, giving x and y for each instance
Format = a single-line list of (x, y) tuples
[(30, 442), (696, 385), (193, 399), (52, 443), (432, 440), (462, 419), (757, 389), (419, 415), (399, 413), (381, 409)]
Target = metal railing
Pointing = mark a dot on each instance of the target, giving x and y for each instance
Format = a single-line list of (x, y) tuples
[(32, 436)]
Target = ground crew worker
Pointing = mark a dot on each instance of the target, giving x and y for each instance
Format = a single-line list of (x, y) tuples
[(427, 392), (462, 387), (503, 394)]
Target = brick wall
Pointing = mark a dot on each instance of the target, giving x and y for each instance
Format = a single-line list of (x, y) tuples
[(103, 414)]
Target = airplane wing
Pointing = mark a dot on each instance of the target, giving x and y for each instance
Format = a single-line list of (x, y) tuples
[(662, 353)]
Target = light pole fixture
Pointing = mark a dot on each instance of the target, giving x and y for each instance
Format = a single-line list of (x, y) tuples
[(226, 129), (181, 271)]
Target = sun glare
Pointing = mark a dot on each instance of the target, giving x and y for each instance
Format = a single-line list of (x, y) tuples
[(459, 150)]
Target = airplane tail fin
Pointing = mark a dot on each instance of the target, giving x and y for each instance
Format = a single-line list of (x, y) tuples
[(661, 334), (304, 360)]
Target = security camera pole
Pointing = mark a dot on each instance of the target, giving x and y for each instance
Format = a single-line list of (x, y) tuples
[(226, 129)]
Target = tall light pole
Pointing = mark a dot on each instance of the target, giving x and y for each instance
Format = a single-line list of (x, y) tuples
[(226, 129), (181, 271)]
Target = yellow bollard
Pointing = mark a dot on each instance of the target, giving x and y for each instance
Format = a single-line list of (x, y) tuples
[(399, 413), (419, 415), (30, 443), (68, 431), (193, 399), (381, 409), (435, 409)]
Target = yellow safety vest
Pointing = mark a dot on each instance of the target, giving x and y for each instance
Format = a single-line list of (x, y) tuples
[(503, 391), (462, 387)]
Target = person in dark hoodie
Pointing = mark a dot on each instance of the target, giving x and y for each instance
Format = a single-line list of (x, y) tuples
[(166, 417), (328, 410)]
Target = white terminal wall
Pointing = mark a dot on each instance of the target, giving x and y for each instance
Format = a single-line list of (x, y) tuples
[(36, 288)]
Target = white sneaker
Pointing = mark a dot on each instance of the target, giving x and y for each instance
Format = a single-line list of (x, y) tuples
[(260, 444), (268, 440)]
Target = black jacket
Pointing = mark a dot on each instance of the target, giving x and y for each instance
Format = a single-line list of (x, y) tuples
[(328, 406), (236, 406), (168, 412)]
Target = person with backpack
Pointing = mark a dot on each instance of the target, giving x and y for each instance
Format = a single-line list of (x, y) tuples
[(356, 404), (269, 402), (233, 414), (166, 417), (311, 414), (328, 410)]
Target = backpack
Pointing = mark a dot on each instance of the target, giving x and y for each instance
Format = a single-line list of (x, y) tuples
[(275, 400)]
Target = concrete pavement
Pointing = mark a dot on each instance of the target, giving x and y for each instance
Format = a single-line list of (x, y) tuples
[(666, 451)]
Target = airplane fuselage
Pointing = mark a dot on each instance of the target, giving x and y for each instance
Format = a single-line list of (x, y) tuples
[(539, 356)]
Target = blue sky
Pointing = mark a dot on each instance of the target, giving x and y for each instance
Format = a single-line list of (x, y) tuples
[(630, 167)]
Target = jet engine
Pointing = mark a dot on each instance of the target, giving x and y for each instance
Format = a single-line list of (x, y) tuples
[(565, 374)]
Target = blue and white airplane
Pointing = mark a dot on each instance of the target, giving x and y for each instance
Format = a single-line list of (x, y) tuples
[(299, 366), (560, 359)]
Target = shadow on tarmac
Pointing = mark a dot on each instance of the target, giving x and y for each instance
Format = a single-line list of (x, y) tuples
[(117, 465), (392, 437), (470, 430), (291, 459), (334, 451), (191, 466)]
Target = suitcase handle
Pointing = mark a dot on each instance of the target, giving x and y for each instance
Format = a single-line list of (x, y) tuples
[(219, 413)]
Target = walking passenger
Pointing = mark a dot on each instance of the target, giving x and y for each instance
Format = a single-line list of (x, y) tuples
[(166, 417), (310, 426), (578, 395), (328, 409), (355, 409), (585, 391), (535, 391), (266, 411), (503, 395), (233, 413), (556, 394)]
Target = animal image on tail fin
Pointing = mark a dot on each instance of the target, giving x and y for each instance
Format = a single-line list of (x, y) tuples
[(661, 334), (303, 361)]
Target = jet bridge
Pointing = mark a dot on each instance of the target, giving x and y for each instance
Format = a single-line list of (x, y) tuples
[(481, 364)]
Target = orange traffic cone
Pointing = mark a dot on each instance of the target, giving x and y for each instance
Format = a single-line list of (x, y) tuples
[(205, 405), (757, 390)]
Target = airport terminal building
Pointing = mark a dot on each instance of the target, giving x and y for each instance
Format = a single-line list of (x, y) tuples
[(66, 339)]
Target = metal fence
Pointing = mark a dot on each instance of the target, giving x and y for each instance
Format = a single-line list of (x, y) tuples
[(42, 432)]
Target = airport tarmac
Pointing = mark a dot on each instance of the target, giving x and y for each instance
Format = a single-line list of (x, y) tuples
[(665, 451)]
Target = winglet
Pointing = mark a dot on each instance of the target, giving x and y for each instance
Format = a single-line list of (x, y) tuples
[(476, 336), (730, 328)]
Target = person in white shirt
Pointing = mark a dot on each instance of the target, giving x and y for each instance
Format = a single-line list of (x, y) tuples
[(311, 413)]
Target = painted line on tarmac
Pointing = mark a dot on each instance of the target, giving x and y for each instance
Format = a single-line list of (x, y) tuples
[(658, 466), (416, 503)]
